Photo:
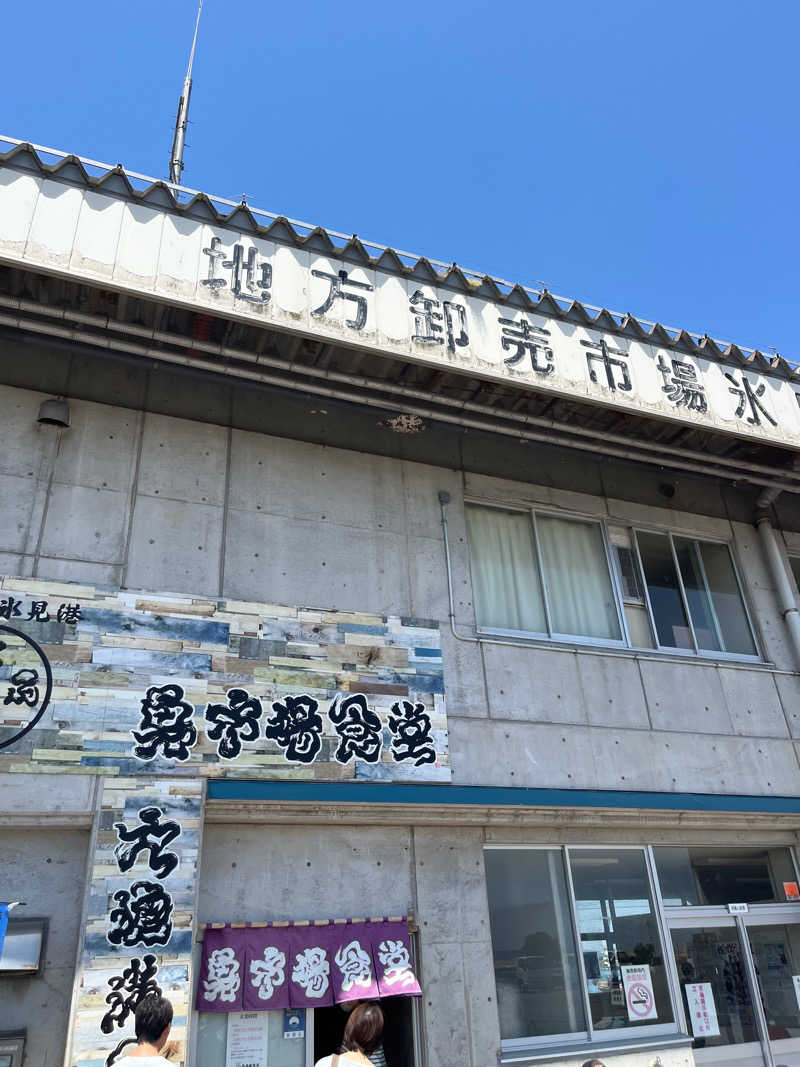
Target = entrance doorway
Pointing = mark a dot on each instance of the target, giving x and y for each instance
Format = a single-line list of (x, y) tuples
[(750, 965), (398, 1031)]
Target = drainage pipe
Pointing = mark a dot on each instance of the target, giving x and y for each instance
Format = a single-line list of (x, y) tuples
[(785, 585)]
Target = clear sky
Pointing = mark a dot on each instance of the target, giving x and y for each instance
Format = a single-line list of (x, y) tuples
[(634, 154)]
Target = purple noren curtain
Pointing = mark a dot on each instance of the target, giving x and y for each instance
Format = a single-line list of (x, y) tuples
[(265, 968)]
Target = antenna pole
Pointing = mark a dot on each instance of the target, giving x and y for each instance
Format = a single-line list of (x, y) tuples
[(182, 121)]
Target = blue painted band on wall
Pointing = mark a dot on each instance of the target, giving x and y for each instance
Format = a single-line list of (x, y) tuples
[(377, 793)]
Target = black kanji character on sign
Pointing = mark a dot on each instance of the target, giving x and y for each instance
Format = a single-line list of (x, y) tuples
[(24, 688), (166, 724), (525, 337), (748, 396), (234, 723), (151, 836), (38, 611), (128, 990), (246, 268), (215, 255), (427, 322), (69, 613), (296, 726), (603, 353), (358, 727), (682, 385), (337, 283), (143, 916), (9, 607), (411, 726)]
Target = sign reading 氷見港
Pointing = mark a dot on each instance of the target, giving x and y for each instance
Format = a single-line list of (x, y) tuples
[(48, 224)]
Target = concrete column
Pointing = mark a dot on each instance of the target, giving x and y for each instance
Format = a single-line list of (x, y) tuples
[(784, 586)]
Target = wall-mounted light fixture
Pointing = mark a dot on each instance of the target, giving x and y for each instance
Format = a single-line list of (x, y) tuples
[(54, 412)]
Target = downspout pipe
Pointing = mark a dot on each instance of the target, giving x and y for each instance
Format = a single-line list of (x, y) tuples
[(785, 586)]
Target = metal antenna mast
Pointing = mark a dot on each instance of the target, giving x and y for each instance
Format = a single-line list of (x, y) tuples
[(182, 121)]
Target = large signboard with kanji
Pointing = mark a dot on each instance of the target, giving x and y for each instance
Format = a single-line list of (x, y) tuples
[(462, 326), (94, 681)]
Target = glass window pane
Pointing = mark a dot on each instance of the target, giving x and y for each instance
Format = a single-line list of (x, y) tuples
[(22, 947), (535, 963), (663, 589), (776, 952), (505, 574), (579, 590), (727, 600), (618, 928), (719, 876), (700, 608), (712, 955)]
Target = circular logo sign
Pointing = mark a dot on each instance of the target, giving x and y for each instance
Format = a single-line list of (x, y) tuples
[(640, 1000), (26, 683)]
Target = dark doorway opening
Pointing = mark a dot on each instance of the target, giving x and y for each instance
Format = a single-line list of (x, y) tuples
[(398, 1031)]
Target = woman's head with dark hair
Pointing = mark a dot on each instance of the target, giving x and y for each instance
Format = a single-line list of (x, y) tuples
[(593, 1063), (153, 1020), (364, 1028)]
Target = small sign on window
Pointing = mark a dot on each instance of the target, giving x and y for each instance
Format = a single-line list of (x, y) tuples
[(738, 909)]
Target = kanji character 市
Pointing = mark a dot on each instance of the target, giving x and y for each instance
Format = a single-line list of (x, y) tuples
[(233, 723), (604, 354)]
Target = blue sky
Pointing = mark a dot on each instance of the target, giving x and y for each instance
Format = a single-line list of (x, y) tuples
[(637, 155)]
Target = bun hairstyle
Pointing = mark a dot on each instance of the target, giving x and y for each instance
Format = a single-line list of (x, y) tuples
[(364, 1028)]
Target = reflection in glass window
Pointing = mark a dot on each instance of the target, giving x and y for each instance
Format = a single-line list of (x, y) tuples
[(719, 876), (776, 953), (535, 963), (712, 955), (618, 928), (22, 947), (682, 573)]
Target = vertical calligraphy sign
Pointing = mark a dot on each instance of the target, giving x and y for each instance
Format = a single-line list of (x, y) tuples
[(140, 921)]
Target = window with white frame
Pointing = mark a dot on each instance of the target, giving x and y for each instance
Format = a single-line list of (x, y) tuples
[(577, 579), (572, 931)]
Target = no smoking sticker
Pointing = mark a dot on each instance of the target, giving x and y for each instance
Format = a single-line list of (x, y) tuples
[(639, 999)]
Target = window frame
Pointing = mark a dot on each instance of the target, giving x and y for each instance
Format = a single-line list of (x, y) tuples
[(700, 653), (591, 1038), (551, 634), (678, 1032), (42, 924), (625, 643), (13, 1042)]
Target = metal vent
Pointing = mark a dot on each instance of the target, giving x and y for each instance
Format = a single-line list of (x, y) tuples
[(629, 574)]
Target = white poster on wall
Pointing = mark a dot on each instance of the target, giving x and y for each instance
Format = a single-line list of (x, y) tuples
[(247, 1039), (702, 1009), (639, 998), (796, 981)]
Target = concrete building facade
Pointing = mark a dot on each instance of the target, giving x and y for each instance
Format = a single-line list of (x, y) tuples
[(593, 839)]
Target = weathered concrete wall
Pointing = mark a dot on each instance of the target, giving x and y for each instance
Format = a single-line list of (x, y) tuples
[(152, 501), (46, 869), (278, 872)]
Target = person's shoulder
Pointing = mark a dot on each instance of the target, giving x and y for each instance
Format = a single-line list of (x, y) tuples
[(143, 1061), (326, 1061)]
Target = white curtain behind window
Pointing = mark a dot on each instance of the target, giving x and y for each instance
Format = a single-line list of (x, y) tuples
[(505, 574), (579, 590)]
